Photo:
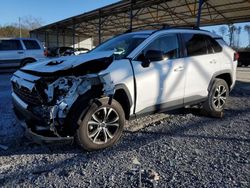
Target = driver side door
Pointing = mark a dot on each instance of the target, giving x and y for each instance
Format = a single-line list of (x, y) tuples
[(160, 86)]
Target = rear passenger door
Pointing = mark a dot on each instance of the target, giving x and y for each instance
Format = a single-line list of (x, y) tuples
[(33, 49), (11, 53), (200, 65)]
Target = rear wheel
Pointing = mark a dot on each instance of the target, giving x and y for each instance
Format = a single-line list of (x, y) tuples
[(101, 126), (217, 97)]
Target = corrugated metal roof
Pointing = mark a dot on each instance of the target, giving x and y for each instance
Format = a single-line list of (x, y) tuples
[(115, 18)]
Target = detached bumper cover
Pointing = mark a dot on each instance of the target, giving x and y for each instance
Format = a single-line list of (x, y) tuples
[(24, 115), (47, 140)]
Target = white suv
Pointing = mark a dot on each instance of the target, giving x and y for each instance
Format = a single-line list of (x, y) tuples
[(89, 97), (18, 52)]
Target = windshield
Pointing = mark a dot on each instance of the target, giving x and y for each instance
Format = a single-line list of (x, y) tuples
[(122, 45)]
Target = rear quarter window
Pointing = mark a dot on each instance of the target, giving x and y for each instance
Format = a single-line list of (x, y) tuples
[(6, 45), (215, 45), (31, 45)]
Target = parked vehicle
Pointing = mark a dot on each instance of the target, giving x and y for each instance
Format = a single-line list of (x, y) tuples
[(244, 58), (89, 97), (18, 52), (60, 51), (79, 51)]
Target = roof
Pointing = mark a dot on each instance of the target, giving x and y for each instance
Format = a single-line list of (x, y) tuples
[(115, 18), (17, 38), (178, 30)]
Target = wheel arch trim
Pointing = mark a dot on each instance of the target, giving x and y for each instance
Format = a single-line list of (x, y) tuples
[(218, 73)]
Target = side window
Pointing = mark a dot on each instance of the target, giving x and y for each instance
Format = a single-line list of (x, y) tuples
[(167, 44), (31, 45), (195, 44), (10, 45), (215, 45)]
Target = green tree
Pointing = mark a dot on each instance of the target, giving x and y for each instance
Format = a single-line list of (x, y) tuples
[(247, 29), (238, 31), (223, 31), (231, 30), (26, 23)]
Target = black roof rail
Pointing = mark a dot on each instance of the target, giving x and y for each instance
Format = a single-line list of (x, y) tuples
[(182, 27), (148, 25), (163, 27)]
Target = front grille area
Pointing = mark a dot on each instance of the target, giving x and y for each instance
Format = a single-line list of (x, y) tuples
[(31, 98)]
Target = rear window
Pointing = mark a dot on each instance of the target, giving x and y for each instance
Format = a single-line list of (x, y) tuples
[(10, 45), (31, 45), (197, 44)]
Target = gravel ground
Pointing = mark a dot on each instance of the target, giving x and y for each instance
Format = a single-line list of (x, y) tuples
[(186, 149)]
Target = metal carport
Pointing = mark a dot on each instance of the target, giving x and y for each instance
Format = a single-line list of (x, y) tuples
[(116, 18)]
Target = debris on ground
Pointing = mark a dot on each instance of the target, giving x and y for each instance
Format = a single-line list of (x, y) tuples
[(182, 150)]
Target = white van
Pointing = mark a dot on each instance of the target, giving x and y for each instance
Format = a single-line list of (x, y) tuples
[(17, 52)]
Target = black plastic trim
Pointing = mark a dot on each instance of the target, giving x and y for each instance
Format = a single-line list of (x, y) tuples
[(135, 86), (170, 106), (124, 87), (218, 73)]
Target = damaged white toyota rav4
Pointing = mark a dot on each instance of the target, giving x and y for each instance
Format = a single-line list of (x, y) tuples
[(89, 97)]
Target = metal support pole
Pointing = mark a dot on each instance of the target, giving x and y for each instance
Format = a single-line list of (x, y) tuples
[(48, 43), (63, 38), (131, 16), (199, 13), (57, 36), (100, 28), (73, 36), (20, 27), (45, 38)]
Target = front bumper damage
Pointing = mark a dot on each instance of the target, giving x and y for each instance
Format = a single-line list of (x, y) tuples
[(43, 127), (23, 116)]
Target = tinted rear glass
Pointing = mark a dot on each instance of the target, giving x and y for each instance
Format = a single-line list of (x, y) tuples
[(215, 45), (10, 45), (198, 44), (31, 45)]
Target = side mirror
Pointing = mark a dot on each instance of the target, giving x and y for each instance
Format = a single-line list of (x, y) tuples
[(151, 56), (144, 61)]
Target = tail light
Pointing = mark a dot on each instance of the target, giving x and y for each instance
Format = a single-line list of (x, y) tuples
[(236, 56), (46, 53)]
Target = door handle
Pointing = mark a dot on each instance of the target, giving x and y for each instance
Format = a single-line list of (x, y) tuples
[(180, 68), (20, 52)]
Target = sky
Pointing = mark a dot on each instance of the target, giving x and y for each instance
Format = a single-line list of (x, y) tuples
[(50, 11), (244, 41)]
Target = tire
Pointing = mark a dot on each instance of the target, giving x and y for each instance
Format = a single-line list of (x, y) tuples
[(217, 98), (26, 61), (96, 132)]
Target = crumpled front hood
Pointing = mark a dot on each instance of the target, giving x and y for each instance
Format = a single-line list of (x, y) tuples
[(64, 63)]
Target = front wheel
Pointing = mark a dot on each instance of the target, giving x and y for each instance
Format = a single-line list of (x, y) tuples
[(101, 126), (217, 97)]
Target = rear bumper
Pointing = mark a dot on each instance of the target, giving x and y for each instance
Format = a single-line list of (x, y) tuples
[(35, 132)]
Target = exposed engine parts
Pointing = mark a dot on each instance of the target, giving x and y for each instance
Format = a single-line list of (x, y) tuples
[(65, 91)]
